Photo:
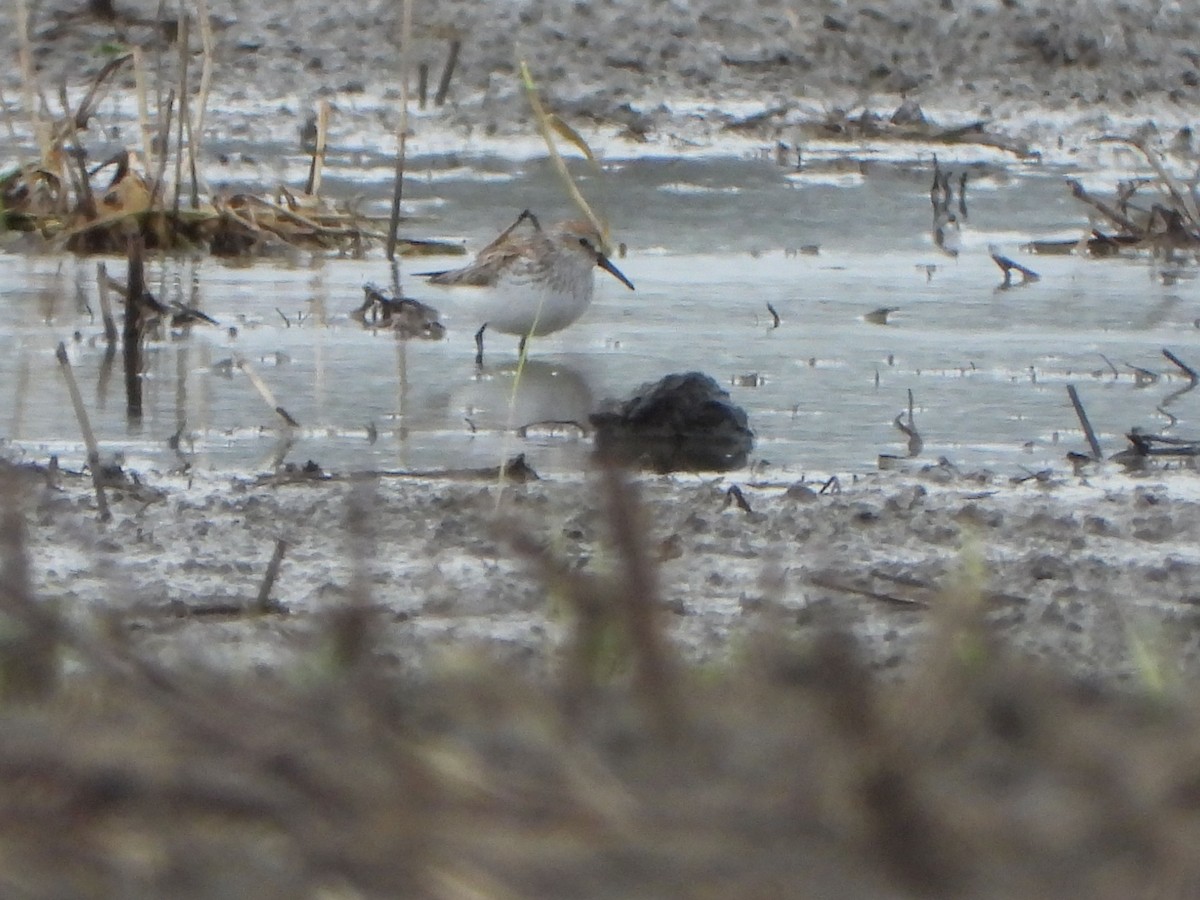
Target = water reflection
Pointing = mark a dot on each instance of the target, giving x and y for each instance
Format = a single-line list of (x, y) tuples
[(545, 394)]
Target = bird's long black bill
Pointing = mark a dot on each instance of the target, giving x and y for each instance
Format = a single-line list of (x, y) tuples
[(603, 262)]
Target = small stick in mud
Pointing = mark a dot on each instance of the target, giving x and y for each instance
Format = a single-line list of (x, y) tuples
[(832, 485), (735, 495), (263, 603), (1083, 421), (448, 72), (1187, 370), (915, 443), (85, 426), (775, 320)]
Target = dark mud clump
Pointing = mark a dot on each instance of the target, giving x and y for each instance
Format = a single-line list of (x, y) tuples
[(683, 422)]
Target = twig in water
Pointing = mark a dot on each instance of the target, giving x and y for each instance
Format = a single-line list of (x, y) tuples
[(1008, 266), (1083, 421), (1142, 377), (1116, 372), (263, 603), (775, 320), (1187, 370), (265, 393), (286, 320), (85, 426)]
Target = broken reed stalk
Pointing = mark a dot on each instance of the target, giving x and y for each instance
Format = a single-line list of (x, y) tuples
[(85, 426), (448, 72), (183, 109), (265, 393), (560, 166), (312, 187), (402, 129), (422, 84), (1083, 421), (135, 288), (263, 602), (106, 314)]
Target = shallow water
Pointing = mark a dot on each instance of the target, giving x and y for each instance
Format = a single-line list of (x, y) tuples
[(711, 244)]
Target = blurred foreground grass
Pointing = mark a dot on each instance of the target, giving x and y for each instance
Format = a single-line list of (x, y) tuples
[(797, 772)]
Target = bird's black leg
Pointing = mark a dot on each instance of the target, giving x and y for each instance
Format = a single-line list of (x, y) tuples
[(479, 344)]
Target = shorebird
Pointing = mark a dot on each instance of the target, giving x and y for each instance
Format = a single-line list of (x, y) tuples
[(533, 281)]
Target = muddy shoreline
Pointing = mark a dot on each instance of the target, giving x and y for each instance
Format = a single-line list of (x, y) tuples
[(685, 69), (1083, 576)]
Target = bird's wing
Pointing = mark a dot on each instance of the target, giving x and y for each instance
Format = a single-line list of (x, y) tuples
[(521, 240)]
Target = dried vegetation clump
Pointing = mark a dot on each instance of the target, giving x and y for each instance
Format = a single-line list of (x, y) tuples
[(1157, 214), (797, 771), (156, 190)]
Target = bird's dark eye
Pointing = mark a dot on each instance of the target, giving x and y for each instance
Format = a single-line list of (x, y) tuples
[(584, 242)]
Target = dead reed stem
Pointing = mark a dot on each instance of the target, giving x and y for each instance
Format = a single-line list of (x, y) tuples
[(29, 87), (139, 80), (85, 426), (136, 286), (654, 676), (448, 72), (106, 314), (560, 166), (208, 43), (402, 128), (313, 186), (30, 637), (164, 135), (8, 118), (184, 114)]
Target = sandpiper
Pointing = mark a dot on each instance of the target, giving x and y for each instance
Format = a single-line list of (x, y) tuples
[(533, 281)]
